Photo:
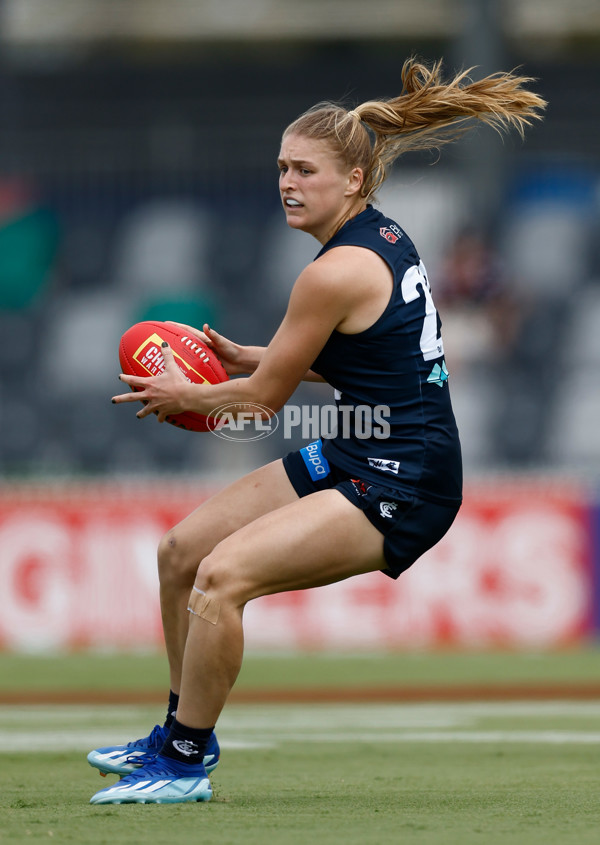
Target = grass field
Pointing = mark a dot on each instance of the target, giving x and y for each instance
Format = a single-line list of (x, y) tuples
[(147, 673), (429, 772)]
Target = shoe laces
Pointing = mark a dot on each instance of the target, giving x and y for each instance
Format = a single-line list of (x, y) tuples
[(141, 759), (154, 766), (154, 740)]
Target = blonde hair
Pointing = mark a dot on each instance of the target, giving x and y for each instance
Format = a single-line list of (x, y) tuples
[(428, 114)]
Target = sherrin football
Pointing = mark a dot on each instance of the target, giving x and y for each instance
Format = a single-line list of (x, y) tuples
[(140, 355)]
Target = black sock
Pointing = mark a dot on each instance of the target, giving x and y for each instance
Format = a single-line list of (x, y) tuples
[(187, 745), (172, 708)]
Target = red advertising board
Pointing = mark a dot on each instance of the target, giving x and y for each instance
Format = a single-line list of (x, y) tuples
[(78, 570)]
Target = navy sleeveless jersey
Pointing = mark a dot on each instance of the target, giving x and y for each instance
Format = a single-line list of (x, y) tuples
[(396, 427)]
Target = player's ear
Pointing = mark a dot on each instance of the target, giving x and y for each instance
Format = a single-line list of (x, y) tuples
[(355, 181)]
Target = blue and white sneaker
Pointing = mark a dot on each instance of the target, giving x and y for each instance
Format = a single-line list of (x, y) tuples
[(160, 780), (123, 759)]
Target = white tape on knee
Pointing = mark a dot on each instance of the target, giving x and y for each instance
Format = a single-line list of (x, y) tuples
[(201, 605)]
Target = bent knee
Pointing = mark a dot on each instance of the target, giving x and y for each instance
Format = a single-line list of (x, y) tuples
[(212, 572), (217, 575), (175, 563), (167, 547)]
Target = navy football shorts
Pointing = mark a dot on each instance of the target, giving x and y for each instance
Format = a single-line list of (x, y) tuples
[(410, 525)]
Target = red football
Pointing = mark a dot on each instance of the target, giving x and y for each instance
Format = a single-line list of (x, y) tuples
[(140, 355)]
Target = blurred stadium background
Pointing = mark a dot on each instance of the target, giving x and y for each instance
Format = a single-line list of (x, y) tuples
[(137, 180)]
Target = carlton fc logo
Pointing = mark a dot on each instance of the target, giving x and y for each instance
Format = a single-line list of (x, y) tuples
[(390, 233)]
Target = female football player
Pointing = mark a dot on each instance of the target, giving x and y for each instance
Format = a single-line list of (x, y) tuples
[(360, 317)]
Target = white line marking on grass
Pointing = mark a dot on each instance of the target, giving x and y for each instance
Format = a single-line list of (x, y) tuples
[(71, 713), (537, 737), (77, 740), (375, 716), (85, 741), (79, 728)]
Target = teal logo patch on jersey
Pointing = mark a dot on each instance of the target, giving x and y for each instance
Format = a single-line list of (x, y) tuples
[(439, 375)]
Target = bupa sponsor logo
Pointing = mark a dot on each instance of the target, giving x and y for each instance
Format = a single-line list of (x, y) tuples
[(316, 462), (384, 464), (391, 233)]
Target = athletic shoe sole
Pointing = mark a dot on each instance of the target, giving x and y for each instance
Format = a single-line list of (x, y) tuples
[(156, 791)]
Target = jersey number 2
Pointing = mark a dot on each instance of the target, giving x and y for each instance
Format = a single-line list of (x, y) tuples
[(414, 286)]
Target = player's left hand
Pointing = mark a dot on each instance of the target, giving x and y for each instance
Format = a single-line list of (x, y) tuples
[(163, 395)]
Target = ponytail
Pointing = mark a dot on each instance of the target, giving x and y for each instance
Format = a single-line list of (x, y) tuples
[(428, 114)]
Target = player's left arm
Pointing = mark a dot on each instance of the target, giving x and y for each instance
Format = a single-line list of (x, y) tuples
[(235, 358)]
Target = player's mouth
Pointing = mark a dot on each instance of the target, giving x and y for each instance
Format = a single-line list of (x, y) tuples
[(289, 202)]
